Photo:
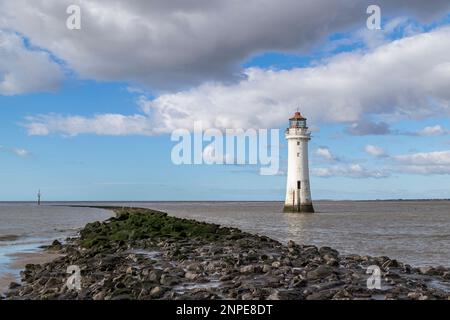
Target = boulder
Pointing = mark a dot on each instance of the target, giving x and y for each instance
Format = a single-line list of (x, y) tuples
[(320, 272)]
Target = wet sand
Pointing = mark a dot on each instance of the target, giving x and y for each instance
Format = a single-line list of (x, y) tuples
[(9, 237), (5, 280), (19, 261)]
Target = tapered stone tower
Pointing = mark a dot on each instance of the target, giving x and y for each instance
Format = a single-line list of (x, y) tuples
[(298, 191)]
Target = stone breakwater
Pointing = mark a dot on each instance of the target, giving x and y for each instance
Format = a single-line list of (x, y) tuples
[(146, 254)]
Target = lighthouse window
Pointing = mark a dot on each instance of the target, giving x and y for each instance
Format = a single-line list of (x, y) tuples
[(298, 143), (298, 154)]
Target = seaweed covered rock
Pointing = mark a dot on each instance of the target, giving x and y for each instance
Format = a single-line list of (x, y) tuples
[(138, 224)]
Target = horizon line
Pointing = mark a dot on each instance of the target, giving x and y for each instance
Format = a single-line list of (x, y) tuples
[(281, 201)]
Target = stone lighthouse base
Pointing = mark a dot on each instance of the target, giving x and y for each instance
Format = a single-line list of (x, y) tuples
[(303, 208)]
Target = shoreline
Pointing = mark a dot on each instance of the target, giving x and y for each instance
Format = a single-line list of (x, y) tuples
[(146, 254), (18, 261)]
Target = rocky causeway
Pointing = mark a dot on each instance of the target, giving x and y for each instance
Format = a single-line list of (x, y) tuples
[(147, 254)]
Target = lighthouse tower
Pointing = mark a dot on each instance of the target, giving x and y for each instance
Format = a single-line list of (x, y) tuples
[(298, 191)]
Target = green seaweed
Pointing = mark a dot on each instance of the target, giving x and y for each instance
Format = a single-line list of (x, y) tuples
[(138, 224)]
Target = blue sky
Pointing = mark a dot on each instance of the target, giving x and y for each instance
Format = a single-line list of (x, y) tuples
[(76, 158)]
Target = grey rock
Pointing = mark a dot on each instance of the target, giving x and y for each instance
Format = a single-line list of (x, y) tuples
[(320, 272), (426, 270), (247, 269), (191, 275), (154, 276), (156, 292), (99, 296), (14, 285), (321, 295), (275, 295), (276, 264), (247, 296), (266, 268)]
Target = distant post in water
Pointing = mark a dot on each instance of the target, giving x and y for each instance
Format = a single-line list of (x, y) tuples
[(39, 198), (298, 191)]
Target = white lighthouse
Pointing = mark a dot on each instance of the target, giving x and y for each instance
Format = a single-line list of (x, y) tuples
[(298, 191)]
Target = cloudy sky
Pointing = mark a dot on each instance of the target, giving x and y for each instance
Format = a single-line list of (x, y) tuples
[(87, 114)]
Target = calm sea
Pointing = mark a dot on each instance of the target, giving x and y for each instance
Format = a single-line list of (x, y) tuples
[(24, 227), (415, 232)]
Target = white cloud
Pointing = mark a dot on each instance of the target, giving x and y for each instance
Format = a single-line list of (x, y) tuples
[(20, 152), (24, 70), (104, 124), (349, 171), (375, 151), (425, 170), (365, 127), (436, 130), (172, 44), (425, 158), (324, 153), (408, 78), (436, 162), (423, 163), (17, 151), (397, 78)]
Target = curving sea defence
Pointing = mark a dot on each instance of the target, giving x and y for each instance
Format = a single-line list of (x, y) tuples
[(146, 254)]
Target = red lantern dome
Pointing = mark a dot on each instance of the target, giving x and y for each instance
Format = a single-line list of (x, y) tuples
[(297, 121)]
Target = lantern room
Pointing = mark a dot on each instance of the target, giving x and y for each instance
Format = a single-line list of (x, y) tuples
[(297, 121)]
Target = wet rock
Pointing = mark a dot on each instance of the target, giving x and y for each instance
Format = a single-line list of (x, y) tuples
[(122, 297), (321, 295), (407, 269), (320, 272), (250, 269), (168, 280), (266, 268), (390, 264), (329, 252), (191, 275), (194, 267), (13, 285), (247, 296), (343, 294), (52, 282), (299, 283), (275, 295), (156, 292), (426, 270), (129, 270), (328, 285), (415, 295), (276, 264), (310, 250), (154, 276), (56, 245), (99, 296), (226, 277)]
